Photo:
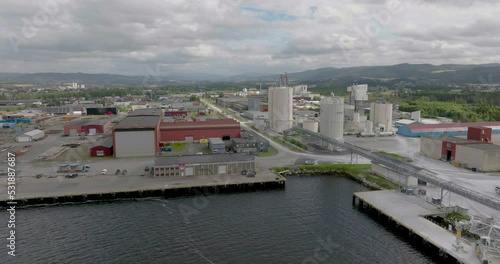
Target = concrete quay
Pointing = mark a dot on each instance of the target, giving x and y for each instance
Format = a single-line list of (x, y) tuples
[(407, 212), (84, 188)]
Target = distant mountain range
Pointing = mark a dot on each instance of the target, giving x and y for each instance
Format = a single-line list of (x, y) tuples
[(442, 74)]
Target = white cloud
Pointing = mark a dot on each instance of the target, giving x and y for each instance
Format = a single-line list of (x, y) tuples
[(218, 36)]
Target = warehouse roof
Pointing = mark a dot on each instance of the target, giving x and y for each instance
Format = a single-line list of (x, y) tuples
[(107, 142), (215, 141), (200, 124), (146, 112), (418, 127), (102, 121), (485, 147), (138, 122), (33, 132), (199, 159), (79, 123)]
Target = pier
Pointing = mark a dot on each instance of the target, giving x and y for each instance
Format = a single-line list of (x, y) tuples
[(406, 214), (60, 190)]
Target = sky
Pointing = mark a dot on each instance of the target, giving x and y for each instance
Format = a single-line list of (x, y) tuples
[(230, 37)]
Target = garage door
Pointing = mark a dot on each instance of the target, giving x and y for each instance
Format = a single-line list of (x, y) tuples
[(73, 132), (189, 139), (134, 143), (92, 131), (222, 169), (189, 171)]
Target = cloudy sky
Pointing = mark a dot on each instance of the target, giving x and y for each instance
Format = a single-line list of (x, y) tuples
[(237, 36)]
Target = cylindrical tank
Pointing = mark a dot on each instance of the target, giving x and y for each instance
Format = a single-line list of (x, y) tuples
[(369, 126), (355, 118), (332, 117), (382, 115), (280, 108), (311, 125)]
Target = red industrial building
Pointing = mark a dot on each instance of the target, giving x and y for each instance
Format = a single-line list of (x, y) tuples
[(103, 149), (445, 148), (176, 113), (196, 130), (97, 126)]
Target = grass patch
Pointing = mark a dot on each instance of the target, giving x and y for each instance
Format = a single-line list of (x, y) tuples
[(357, 171), (395, 156), (272, 151), (179, 146), (457, 217)]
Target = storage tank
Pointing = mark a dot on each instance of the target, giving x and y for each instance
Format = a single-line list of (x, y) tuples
[(280, 101), (382, 115), (332, 117), (369, 126), (355, 118), (311, 125)]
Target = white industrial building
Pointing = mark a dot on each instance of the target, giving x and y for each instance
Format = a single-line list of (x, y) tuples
[(358, 95), (31, 136), (311, 125), (332, 117), (280, 108), (381, 116), (138, 135), (479, 157)]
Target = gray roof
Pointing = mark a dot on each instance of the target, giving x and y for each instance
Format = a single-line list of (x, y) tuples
[(107, 142), (146, 112), (215, 141), (138, 122), (79, 122), (485, 147), (199, 159)]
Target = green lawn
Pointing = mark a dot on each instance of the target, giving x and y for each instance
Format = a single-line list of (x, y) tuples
[(178, 146), (272, 151), (395, 156)]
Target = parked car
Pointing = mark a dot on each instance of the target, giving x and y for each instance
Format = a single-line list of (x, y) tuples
[(124, 172), (72, 175), (199, 153), (38, 176), (104, 171), (117, 172), (146, 169), (309, 162), (243, 172), (497, 189)]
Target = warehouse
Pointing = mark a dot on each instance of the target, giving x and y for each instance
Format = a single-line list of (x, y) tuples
[(195, 165), (137, 135), (445, 147), (479, 157), (449, 129), (216, 145), (103, 149), (196, 130), (89, 127), (250, 142), (31, 136)]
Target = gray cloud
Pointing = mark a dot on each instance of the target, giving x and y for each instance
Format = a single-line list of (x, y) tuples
[(222, 36)]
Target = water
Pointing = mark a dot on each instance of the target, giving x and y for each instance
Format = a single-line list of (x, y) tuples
[(312, 221)]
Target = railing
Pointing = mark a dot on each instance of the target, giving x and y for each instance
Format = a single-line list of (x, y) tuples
[(408, 169)]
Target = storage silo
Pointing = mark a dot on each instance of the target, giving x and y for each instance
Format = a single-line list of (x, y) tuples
[(369, 126), (332, 117), (311, 125), (280, 101), (382, 115)]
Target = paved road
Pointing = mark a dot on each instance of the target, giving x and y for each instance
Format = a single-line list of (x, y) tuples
[(287, 157)]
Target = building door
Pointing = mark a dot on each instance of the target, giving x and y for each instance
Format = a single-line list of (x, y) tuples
[(189, 171), (73, 132), (448, 155), (92, 131), (222, 169), (189, 139)]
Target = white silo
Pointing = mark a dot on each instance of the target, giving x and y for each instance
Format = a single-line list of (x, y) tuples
[(369, 126), (332, 117), (311, 125), (280, 101), (382, 116)]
